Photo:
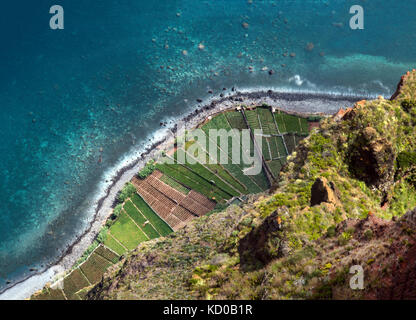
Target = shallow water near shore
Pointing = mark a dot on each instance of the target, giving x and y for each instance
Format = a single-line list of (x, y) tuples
[(78, 104)]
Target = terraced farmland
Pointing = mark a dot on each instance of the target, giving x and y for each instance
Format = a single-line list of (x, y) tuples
[(173, 194), (84, 276), (136, 223)]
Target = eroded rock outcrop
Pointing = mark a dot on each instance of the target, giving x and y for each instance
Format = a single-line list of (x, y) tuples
[(264, 243), (371, 159), (323, 191)]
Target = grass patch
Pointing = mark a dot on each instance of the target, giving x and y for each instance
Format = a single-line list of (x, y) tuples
[(126, 231), (114, 245), (142, 222)]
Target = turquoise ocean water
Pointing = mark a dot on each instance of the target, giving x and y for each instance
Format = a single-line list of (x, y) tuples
[(75, 102)]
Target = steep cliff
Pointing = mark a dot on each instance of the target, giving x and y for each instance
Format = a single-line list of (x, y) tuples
[(345, 198)]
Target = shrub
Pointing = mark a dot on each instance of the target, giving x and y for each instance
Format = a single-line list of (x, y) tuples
[(330, 232), (407, 105), (147, 170), (86, 253), (314, 118), (102, 236), (406, 159), (117, 211), (368, 234), (128, 190), (344, 238)]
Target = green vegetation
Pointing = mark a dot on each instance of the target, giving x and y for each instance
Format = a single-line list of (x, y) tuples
[(141, 221), (127, 232), (408, 105), (314, 118), (107, 254), (236, 120), (95, 267), (212, 178), (225, 175), (406, 160), (87, 252), (267, 121), (275, 167), (281, 147), (114, 245), (116, 212), (161, 226), (147, 170), (252, 119), (236, 171), (193, 181), (128, 190), (174, 184)]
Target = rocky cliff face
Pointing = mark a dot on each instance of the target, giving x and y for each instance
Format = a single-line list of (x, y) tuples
[(345, 198)]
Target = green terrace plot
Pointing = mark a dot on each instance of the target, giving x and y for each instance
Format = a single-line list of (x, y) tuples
[(275, 148), (269, 128), (211, 176), (217, 123), (107, 254), (225, 175), (290, 123), (252, 184), (73, 283), (267, 122), (236, 120), (175, 185), (280, 146), (112, 243), (216, 169), (193, 181), (140, 220), (127, 232), (136, 223), (86, 275), (280, 121), (265, 149), (252, 119), (255, 183), (160, 226), (95, 267), (259, 179), (275, 166), (290, 142)]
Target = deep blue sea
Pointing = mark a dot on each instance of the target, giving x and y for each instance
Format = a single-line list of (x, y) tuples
[(99, 88)]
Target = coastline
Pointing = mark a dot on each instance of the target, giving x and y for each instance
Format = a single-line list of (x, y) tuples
[(303, 103)]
